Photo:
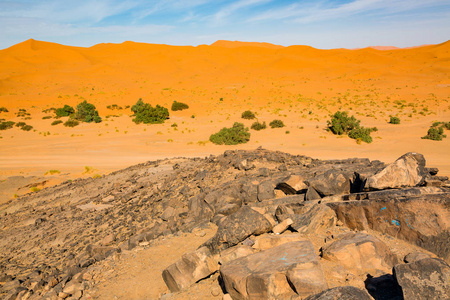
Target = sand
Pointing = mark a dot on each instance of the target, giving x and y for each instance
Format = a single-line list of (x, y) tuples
[(299, 85)]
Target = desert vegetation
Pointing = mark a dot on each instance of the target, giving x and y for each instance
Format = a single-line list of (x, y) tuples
[(436, 131), (65, 111), (276, 124), (341, 124), (258, 126), (394, 120), (71, 123), (147, 114), (56, 122), (179, 106), (248, 115), (3, 109), (238, 134), (86, 112)]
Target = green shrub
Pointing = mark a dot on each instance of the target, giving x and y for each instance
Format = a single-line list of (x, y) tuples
[(26, 127), (46, 117), (238, 134), (20, 124), (56, 122), (435, 134), (394, 120), (86, 112), (258, 126), (276, 124), (64, 111), (147, 114), (3, 109), (114, 106), (340, 123), (71, 123), (6, 125), (248, 115), (179, 106), (361, 134)]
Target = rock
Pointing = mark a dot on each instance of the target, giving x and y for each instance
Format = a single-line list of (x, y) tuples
[(228, 209), (200, 209), (191, 268), (281, 272), (332, 182), (315, 218), (383, 287), (215, 291), (360, 253), (341, 293), (421, 219), (266, 241), (311, 194), (227, 297), (235, 253), (427, 278), (245, 165), (237, 227), (407, 171), (169, 212), (415, 256), (265, 191), (281, 227)]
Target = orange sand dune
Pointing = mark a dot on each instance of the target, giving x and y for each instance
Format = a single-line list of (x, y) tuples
[(300, 85)]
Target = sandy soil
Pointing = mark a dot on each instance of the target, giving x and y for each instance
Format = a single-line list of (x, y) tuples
[(300, 85)]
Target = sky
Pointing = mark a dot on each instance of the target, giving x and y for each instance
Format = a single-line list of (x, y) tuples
[(323, 24)]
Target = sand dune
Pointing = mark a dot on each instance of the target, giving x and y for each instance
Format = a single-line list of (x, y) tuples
[(300, 85)]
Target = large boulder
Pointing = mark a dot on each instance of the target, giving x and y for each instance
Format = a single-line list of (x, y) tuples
[(191, 268), (427, 278), (314, 218), (407, 171), (423, 220), (360, 253), (332, 182), (341, 293), (237, 227), (277, 273)]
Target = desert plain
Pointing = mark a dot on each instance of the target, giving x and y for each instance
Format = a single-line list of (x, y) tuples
[(300, 85)]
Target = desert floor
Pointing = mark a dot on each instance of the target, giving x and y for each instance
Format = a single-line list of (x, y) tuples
[(299, 85)]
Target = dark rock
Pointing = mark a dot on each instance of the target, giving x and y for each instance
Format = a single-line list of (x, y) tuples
[(332, 182), (415, 256), (266, 191), (427, 278), (314, 217), (341, 293), (237, 227), (311, 194)]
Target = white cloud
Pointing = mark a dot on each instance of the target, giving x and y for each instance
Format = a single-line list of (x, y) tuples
[(230, 9)]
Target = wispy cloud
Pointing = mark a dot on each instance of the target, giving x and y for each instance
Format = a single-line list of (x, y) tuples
[(234, 6)]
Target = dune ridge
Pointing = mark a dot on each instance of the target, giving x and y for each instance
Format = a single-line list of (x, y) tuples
[(299, 84)]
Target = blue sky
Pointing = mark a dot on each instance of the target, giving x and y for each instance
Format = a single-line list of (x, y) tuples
[(322, 24)]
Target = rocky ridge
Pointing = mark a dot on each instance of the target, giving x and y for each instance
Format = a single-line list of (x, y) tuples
[(263, 202)]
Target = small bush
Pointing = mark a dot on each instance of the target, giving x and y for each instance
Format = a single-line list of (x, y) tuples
[(258, 126), (114, 106), (64, 111), (26, 127), (52, 172), (56, 122), (276, 124), (238, 134), (147, 114), (86, 112), (248, 115), (361, 134), (179, 106), (46, 117), (435, 134), (3, 109), (20, 124), (340, 123), (6, 125), (35, 189), (394, 120), (71, 123)]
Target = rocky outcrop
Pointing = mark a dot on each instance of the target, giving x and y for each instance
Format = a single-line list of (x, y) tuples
[(191, 268), (284, 271), (237, 227), (361, 253), (315, 217), (407, 171), (427, 278), (341, 293)]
